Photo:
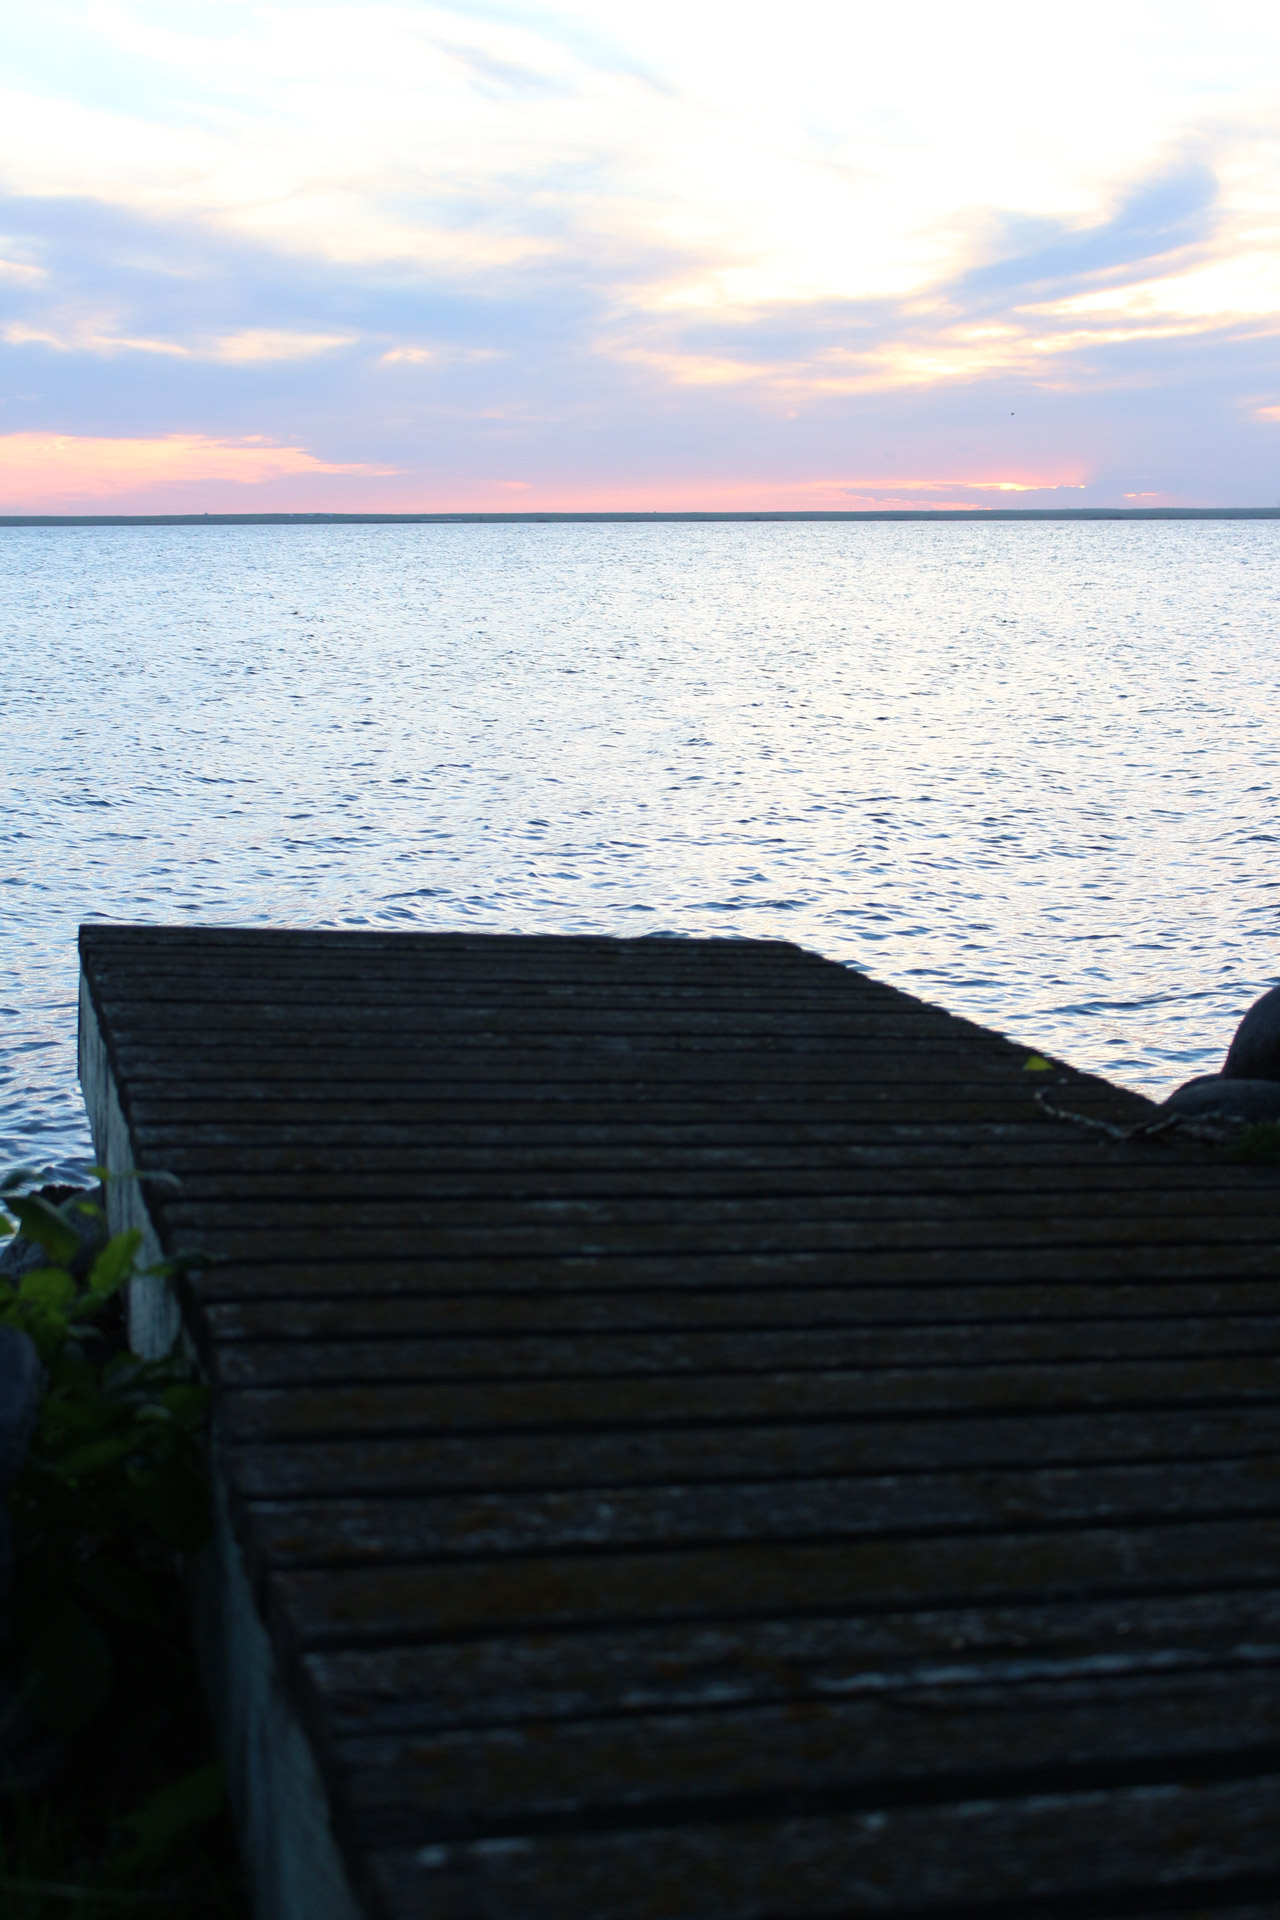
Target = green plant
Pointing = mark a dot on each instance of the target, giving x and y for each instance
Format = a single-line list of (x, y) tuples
[(96, 1651), (47, 1870), (113, 1485)]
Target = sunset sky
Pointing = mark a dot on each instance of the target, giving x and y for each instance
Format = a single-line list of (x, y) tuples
[(423, 257)]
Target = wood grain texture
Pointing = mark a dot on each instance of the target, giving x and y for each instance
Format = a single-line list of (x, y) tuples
[(706, 1442)]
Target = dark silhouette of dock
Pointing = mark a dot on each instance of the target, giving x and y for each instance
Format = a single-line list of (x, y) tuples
[(702, 1435)]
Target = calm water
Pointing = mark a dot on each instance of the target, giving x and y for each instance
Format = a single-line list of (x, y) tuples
[(1027, 771)]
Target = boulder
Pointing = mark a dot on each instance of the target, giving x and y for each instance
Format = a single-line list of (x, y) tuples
[(1216, 1097), (1254, 1054)]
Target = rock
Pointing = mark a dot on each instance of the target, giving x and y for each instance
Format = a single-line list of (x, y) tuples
[(1214, 1096), (19, 1255), (1254, 1054)]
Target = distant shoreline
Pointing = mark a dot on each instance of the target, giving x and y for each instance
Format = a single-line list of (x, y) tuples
[(980, 514)]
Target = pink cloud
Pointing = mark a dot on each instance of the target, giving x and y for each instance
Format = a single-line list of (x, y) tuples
[(59, 473), (192, 473)]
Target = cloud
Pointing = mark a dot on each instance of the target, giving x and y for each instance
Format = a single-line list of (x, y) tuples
[(47, 473), (255, 344), (248, 347), (1156, 217), (462, 247)]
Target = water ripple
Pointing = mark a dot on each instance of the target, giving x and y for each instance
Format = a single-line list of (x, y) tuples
[(1027, 771)]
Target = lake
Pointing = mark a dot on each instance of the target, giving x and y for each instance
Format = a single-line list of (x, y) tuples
[(1025, 770)]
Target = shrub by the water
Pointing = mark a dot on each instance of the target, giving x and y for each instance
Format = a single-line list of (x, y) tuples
[(110, 1795)]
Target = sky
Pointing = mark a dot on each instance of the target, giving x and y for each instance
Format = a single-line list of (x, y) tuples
[(398, 258)]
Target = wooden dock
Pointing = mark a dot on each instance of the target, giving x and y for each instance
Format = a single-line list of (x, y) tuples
[(697, 1440)]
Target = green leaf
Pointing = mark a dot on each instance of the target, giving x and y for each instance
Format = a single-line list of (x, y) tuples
[(45, 1225), (1036, 1063), (168, 1816), (48, 1287), (114, 1264), (187, 1403), (96, 1457), (122, 1371), (18, 1177)]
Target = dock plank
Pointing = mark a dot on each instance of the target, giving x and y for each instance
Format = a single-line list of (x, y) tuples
[(704, 1440), (1004, 1858)]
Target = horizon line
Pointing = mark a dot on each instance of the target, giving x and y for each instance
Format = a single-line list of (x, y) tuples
[(633, 517)]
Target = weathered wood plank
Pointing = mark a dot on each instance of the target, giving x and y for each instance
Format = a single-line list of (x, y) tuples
[(293, 1029), (612, 1227), (552, 1178), (949, 1743), (600, 1168), (348, 1606), (470, 1238), (637, 1456), (508, 1355), (371, 1531), (758, 1204), (430, 1276), (1022, 1145), (671, 1310), (536, 1677), (490, 1405), (989, 1859)]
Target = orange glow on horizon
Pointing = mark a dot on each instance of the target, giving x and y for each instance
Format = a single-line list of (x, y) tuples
[(44, 472), (186, 473)]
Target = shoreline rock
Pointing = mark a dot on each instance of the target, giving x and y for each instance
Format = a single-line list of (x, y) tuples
[(1247, 1089), (1251, 1102), (1254, 1053)]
